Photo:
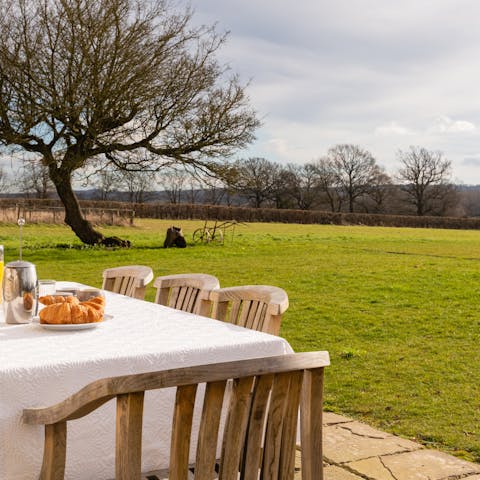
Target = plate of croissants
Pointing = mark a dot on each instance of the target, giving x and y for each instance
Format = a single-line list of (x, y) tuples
[(67, 312)]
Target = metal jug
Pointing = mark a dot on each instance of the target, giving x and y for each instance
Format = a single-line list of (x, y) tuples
[(19, 292)]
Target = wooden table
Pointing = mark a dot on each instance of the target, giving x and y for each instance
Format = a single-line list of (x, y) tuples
[(40, 367)]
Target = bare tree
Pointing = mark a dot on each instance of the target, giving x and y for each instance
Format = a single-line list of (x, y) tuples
[(173, 182), (255, 178), (138, 185), (469, 198), (284, 182), (193, 190), (302, 185), (425, 176), (378, 194), (34, 179), (214, 189), (327, 183), (5, 182), (97, 79), (356, 171), (107, 181)]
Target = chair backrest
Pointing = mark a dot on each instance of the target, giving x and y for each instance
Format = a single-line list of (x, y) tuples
[(259, 307), (260, 427), (130, 280), (189, 292)]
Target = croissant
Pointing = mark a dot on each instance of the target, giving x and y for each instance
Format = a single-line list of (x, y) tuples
[(73, 312), (52, 299)]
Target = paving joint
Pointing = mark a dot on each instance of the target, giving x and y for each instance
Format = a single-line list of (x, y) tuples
[(387, 468), (364, 435)]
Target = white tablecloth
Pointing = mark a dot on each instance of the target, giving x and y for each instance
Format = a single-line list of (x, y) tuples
[(40, 368)]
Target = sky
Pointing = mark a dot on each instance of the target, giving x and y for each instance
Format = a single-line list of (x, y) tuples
[(381, 74)]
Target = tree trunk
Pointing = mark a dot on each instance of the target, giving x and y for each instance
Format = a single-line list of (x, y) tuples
[(75, 220), (73, 215)]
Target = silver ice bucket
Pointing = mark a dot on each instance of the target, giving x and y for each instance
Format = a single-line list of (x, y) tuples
[(19, 292)]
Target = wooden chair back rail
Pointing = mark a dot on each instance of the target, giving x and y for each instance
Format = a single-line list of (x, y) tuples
[(188, 292), (260, 428), (258, 307)]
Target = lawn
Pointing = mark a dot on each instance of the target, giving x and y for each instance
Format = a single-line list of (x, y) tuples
[(396, 308)]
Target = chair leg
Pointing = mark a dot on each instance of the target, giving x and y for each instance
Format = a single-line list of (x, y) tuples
[(54, 453), (128, 456), (311, 425)]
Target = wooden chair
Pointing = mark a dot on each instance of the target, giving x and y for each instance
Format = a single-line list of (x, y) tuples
[(260, 429), (130, 280), (189, 292), (259, 307)]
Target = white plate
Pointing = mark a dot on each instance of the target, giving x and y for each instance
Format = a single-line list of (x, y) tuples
[(72, 326)]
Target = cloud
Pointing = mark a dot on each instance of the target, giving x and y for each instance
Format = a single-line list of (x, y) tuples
[(338, 72), (444, 124), (278, 146), (392, 128), (471, 161)]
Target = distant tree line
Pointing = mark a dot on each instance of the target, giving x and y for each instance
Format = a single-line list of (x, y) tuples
[(349, 179), (346, 179)]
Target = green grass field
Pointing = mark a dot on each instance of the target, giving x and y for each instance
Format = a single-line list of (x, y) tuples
[(396, 308)]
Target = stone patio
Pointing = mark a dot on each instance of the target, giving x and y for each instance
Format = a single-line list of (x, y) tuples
[(355, 451)]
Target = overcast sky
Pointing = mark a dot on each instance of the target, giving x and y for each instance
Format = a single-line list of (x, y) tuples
[(383, 74)]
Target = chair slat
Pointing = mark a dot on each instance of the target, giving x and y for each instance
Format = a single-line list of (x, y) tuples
[(289, 431), (253, 314), (174, 296), (235, 310), (208, 433), (128, 443), (181, 431), (181, 297), (129, 285), (242, 315), (261, 321), (185, 294), (54, 453), (273, 435), (235, 428), (190, 299), (256, 427), (124, 285), (117, 285)]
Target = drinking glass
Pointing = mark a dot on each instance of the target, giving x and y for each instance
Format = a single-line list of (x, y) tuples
[(85, 294), (46, 287)]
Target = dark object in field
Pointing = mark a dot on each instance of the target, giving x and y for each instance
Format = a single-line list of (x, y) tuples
[(174, 238), (116, 242)]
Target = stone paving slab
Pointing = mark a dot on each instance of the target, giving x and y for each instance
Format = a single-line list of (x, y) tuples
[(428, 465), (344, 443), (332, 472)]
